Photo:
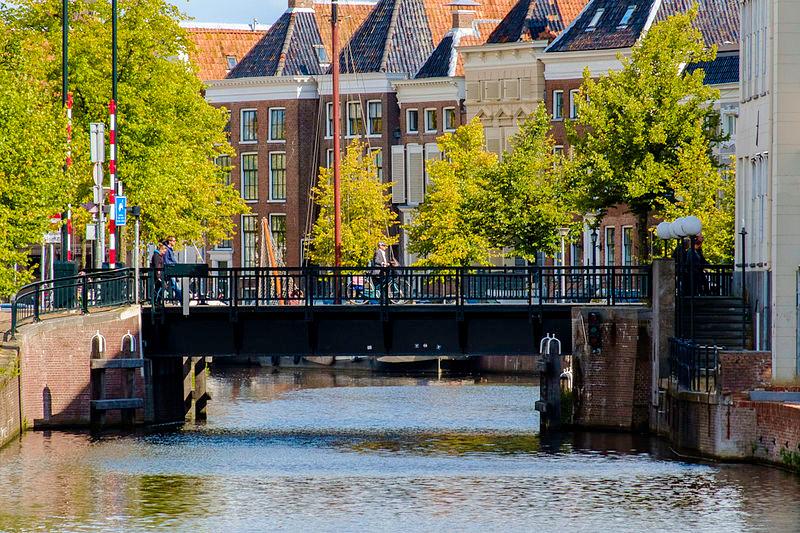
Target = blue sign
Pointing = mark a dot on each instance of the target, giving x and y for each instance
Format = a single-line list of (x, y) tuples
[(120, 210)]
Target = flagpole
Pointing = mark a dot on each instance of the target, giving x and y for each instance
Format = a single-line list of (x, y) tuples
[(337, 125)]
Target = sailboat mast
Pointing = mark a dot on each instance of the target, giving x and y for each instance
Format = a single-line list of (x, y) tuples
[(337, 126)]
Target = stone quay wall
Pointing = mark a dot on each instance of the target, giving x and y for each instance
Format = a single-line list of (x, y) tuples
[(10, 412)]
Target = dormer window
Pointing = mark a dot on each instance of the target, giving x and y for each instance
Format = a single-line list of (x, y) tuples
[(231, 61), (322, 54), (595, 20), (626, 18)]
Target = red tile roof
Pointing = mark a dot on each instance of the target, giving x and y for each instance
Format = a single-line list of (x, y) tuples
[(214, 44)]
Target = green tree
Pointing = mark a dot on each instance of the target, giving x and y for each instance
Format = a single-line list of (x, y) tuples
[(643, 136), (526, 200), (169, 136), (367, 217), (32, 154), (446, 229)]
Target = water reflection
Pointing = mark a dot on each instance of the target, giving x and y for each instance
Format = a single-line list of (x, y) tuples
[(321, 451)]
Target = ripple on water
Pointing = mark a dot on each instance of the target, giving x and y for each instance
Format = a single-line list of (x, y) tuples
[(301, 451)]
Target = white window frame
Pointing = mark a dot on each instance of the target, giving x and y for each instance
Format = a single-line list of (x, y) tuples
[(329, 120), (444, 119), (561, 111), (573, 103), (605, 245), (351, 135), (329, 158), (622, 235), (241, 177), (241, 238), (408, 122), (272, 233), (228, 61), (372, 153), (371, 133), (595, 19), (425, 117), (241, 125), (269, 116), (627, 16), (269, 176)]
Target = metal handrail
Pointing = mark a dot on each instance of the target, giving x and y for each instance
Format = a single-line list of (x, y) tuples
[(391, 286), (94, 289), (694, 367)]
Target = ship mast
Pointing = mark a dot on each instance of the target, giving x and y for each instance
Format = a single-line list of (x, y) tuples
[(337, 126)]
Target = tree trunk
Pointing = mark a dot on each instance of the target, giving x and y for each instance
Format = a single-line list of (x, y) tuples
[(644, 238)]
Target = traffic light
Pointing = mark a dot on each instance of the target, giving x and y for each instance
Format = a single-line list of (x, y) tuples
[(595, 332)]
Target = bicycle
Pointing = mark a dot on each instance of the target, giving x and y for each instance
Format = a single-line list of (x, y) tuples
[(362, 290)]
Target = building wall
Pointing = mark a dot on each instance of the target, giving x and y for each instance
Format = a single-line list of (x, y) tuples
[(504, 84), (10, 422), (300, 132)]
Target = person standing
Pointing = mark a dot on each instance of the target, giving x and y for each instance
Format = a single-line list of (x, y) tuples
[(169, 260), (157, 268)]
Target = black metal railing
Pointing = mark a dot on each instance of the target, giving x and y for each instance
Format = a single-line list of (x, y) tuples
[(95, 289), (693, 366), (311, 286), (704, 280)]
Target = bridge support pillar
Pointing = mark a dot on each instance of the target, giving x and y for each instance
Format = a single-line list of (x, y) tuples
[(195, 394), (549, 404)]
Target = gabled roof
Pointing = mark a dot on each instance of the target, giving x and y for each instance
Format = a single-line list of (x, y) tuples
[(724, 69), (287, 49), (531, 20), (215, 43), (599, 26), (717, 20), (394, 38)]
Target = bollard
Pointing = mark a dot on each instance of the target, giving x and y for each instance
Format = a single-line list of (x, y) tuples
[(549, 404)]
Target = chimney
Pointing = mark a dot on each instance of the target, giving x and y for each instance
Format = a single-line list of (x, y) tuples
[(463, 13), (301, 4)]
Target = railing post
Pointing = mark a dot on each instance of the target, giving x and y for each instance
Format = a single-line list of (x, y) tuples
[(36, 304), (84, 295), (14, 315), (235, 288), (611, 296)]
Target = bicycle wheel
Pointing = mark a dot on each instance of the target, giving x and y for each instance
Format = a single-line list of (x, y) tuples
[(399, 292)]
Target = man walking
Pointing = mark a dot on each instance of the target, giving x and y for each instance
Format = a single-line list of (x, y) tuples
[(169, 260)]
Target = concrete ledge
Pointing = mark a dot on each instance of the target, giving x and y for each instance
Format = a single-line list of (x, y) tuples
[(123, 403), (117, 363)]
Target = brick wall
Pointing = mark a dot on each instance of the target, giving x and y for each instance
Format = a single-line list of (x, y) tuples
[(744, 371), (10, 424), (777, 433), (612, 385), (55, 365)]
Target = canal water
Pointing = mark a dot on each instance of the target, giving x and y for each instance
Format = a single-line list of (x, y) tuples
[(318, 451)]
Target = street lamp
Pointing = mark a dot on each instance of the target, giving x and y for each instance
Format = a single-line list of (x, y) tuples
[(681, 228), (591, 221)]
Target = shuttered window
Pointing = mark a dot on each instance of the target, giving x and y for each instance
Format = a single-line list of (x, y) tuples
[(493, 145), (432, 153), (416, 174), (512, 89), (526, 86), (473, 90), (398, 175), (492, 89)]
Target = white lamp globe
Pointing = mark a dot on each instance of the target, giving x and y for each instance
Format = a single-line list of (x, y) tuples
[(664, 231), (692, 226), (677, 228)]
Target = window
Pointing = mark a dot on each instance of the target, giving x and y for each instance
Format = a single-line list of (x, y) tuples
[(449, 118), (249, 232), (355, 121), (377, 156), (322, 54), (412, 121), (329, 158), (626, 18), (249, 130), (558, 105), (558, 150), (595, 20), (277, 227), (375, 117), (250, 177), (224, 164), (575, 252), (277, 124), (329, 121), (430, 121), (610, 246), (729, 125), (277, 176), (573, 103), (225, 244), (627, 245), (231, 62)]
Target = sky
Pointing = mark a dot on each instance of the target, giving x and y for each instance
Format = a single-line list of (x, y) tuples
[(239, 11)]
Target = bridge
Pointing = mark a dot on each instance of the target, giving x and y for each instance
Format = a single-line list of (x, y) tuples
[(326, 311)]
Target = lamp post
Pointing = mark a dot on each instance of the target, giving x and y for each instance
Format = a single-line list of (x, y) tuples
[(682, 228), (136, 211)]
